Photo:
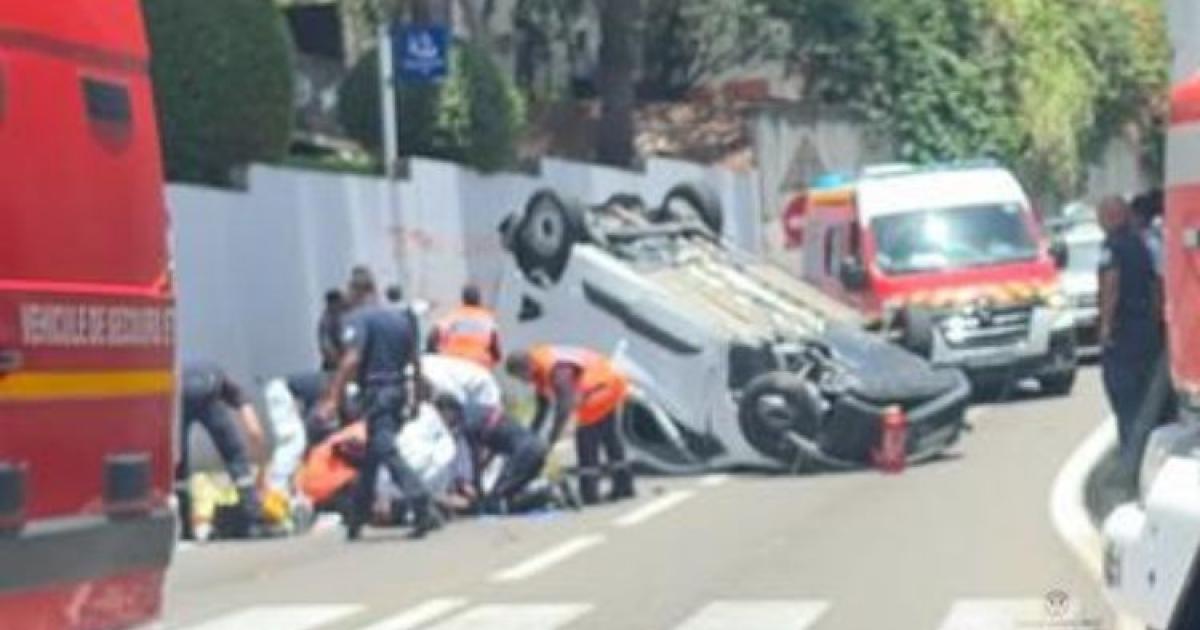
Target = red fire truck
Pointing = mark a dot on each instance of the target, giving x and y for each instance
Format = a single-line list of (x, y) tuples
[(86, 321)]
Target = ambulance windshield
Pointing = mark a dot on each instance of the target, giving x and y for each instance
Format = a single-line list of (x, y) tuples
[(952, 238)]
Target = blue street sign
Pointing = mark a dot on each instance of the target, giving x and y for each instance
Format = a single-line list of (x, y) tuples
[(421, 52)]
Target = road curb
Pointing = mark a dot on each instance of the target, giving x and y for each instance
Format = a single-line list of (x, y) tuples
[(1068, 498)]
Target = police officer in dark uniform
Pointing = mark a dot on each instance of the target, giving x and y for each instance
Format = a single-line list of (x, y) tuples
[(1131, 328), (381, 346), (208, 396), (493, 433)]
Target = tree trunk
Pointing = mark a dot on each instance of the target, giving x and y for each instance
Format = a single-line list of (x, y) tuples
[(620, 26)]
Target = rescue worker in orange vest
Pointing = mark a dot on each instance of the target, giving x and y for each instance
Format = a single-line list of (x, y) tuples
[(468, 332), (586, 383)]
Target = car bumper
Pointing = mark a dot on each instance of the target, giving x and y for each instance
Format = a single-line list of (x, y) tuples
[(933, 425)]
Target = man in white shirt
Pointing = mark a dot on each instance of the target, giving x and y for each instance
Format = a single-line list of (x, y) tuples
[(471, 384)]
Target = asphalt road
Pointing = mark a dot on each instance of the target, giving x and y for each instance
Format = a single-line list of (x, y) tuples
[(962, 543)]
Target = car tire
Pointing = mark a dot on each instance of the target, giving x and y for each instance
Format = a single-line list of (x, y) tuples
[(542, 237), (692, 201), (774, 404), (1058, 384)]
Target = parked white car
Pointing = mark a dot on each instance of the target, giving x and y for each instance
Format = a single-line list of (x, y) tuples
[(734, 363)]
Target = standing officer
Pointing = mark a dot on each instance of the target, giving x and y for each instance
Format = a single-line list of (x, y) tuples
[(586, 383), (208, 395), (381, 347), (468, 332), (1131, 332)]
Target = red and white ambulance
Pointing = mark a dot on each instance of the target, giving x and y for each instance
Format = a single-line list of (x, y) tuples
[(86, 321), (951, 262)]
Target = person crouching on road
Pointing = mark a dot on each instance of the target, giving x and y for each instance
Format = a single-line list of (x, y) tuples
[(496, 434), (208, 395), (468, 332), (381, 346), (586, 383), (1131, 330)]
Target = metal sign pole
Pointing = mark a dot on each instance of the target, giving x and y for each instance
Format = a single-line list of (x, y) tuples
[(391, 150)]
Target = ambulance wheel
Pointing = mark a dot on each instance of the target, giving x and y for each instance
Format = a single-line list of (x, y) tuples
[(689, 201), (774, 405), (544, 234), (918, 327)]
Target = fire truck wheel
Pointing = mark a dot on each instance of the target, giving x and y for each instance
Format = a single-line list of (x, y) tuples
[(692, 201), (544, 234), (775, 404)]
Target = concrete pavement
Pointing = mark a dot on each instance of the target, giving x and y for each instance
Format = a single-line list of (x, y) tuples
[(965, 542)]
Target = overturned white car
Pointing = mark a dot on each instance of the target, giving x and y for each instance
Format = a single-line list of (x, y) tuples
[(734, 363)]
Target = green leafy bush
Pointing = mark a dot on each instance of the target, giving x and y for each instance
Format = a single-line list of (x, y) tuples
[(1043, 85), (475, 116), (222, 77)]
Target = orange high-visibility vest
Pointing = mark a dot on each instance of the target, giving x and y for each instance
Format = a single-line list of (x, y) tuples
[(467, 333), (601, 388)]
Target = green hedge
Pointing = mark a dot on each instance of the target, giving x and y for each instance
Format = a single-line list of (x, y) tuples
[(222, 72), (474, 117)]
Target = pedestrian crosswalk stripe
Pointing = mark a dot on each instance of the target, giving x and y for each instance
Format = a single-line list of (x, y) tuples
[(515, 617), (286, 617), (548, 558), (1009, 614), (653, 508), (419, 615), (756, 615)]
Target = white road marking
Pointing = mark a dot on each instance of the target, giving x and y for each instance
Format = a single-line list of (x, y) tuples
[(756, 615), (419, 615), (713, 480), (515, 617), (547, 558), (653, 508), (1068, 511), (282, 617), (976, 412), (1013, 614)]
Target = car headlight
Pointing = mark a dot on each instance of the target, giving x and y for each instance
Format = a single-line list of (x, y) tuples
[(1055, 300)]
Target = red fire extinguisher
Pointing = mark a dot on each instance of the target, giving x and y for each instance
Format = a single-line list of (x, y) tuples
[(892, 452)]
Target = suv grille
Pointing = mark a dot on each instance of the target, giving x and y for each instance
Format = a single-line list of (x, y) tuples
[(990, 327)]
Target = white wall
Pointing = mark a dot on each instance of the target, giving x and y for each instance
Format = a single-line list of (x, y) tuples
[(251, 267)]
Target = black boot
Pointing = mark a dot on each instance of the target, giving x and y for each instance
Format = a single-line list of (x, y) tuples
[(184, 497), (622, 485), (424, 519), (589, 491)]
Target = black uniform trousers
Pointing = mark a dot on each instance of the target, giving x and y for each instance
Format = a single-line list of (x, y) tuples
[(385, 417)]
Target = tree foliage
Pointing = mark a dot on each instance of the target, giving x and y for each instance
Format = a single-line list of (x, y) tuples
[(222, 77), (1043, 85), (474, 116), (687, 41)]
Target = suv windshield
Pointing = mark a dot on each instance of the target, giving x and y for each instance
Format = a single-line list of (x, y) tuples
[(950, 238)]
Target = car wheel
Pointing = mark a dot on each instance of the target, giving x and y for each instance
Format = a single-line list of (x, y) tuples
[(544, 234), (692, 201), (1059, 384), (775, 405)]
